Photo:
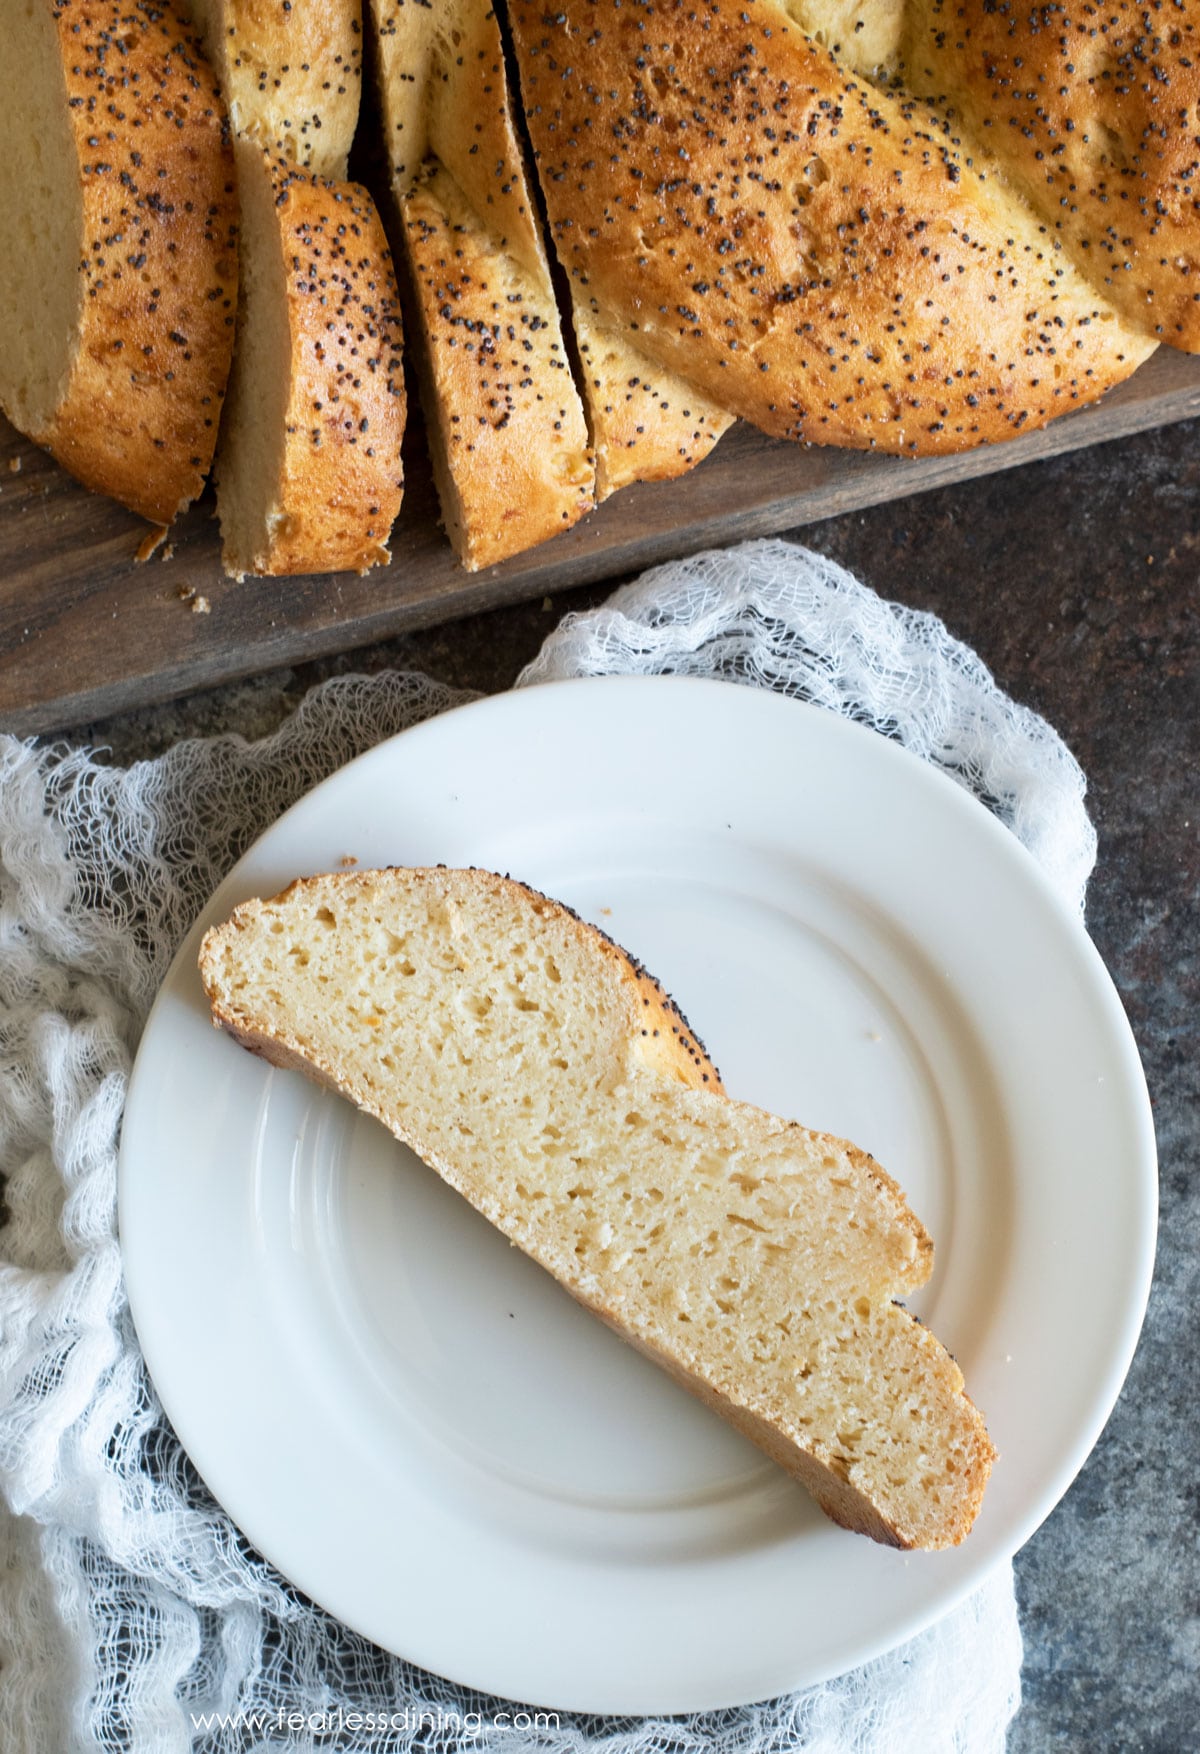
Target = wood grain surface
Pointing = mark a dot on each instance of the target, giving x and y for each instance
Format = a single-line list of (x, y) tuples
[(86, 629)]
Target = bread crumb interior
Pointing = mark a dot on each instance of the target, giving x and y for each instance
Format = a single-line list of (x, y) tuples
[(512, 1049)]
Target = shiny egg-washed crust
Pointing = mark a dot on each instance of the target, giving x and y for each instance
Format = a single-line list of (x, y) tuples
[(506, 430), (1091, 112), (291, 71), (341, 478), (810, 252), (448, 112), (158, 261), (662, 1036), (505, 423)]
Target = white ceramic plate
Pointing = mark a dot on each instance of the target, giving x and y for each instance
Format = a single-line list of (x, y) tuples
[(431, 1439)]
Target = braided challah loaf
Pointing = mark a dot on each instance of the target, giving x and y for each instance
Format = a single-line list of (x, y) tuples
[(818, 255), (907, 225)]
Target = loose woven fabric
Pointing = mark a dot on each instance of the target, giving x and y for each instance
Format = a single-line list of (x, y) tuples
[(133, 1615)]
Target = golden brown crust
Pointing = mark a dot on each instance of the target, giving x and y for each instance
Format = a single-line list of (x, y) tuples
[(404, 52), (458, 110), (291, 71), (506, 428), (341, 479), (138, 415), (1085, 110), (809, 252)]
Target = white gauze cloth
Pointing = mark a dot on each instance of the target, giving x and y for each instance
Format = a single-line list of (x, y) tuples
[(131, 1610)]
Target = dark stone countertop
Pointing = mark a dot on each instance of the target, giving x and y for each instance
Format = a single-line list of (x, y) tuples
[(1076, 580)]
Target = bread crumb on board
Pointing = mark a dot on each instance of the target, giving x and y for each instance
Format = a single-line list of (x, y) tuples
[(150, 543), (196, 602)]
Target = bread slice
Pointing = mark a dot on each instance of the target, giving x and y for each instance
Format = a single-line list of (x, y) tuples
[(309, 475), (645, 423), (118, 279), (1087, 117), (811, 253), (448, 113), (505, 423), (506, 430), (545, 1076), (291, 71)]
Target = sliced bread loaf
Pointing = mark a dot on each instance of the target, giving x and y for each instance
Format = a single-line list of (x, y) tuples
[(118, 279), (309, 475), (505, 423), (547, 1078), (448, 112)]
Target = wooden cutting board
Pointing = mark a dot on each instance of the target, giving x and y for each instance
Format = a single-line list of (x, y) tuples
[(86, 629)]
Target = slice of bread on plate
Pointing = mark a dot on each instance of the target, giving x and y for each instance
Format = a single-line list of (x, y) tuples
[(544, 1075), (118, 278)]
